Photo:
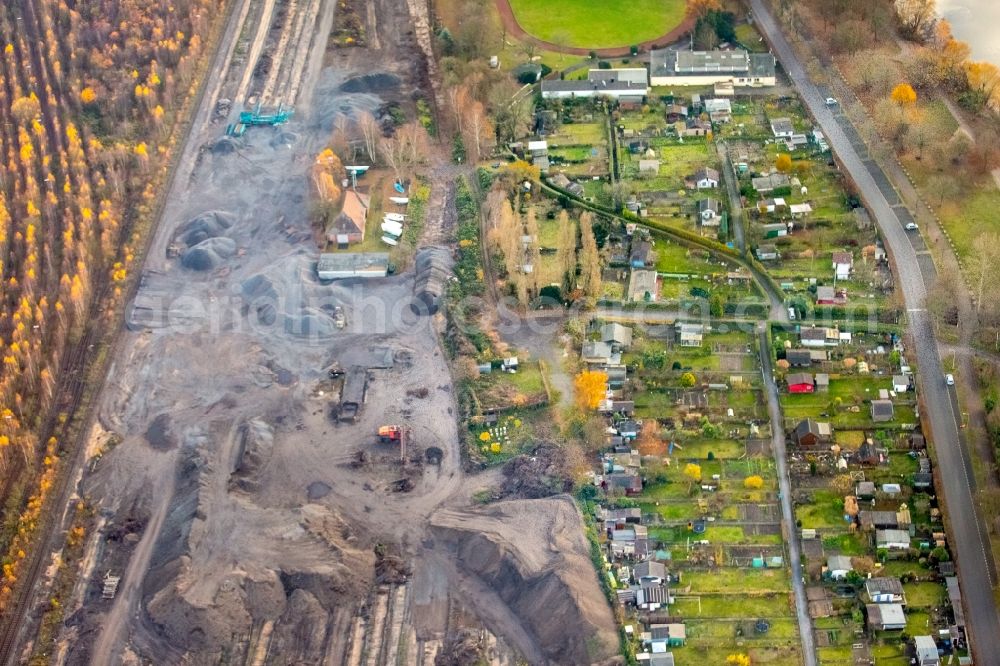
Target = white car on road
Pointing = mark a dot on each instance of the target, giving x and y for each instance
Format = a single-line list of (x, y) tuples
[(911, 226), (949, 379), (830, 101)]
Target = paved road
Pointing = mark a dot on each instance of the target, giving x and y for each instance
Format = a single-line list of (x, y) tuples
[(970, 547), (785, 491)]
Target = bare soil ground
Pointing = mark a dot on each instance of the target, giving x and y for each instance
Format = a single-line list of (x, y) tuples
[(247, 523)]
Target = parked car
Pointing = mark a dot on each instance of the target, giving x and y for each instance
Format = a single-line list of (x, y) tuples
[(949, 379), (831, 101), (911, 226)]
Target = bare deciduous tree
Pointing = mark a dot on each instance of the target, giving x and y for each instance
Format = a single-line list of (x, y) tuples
[(404, 149), (370, 132), (458, 100), (981, 270), (916, 18), (511, 110), (340, 141), (479, 131)]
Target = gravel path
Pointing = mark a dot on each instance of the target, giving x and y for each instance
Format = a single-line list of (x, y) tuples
[(785, 494)]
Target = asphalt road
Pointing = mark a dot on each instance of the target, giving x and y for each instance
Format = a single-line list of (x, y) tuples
[(970, 543), (785, 492)]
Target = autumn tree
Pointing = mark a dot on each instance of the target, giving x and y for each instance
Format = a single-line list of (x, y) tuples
[(591, 387), (515, 173), (952, 54), (693, 472), (688, 380), (90, 68), (649, 442), (754, 482), (590, 259), (504, 231), (783, 163), (566, 250), (904, 95), (983, 81), (738, 659), (533, 250)]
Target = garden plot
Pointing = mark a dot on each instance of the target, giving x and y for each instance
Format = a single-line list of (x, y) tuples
[(501, 390), (691, 275), (580, 150)]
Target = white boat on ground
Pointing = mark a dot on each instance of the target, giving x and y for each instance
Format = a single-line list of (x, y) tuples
[(392, 230), (395, 217), (402, 201), (389, 240)]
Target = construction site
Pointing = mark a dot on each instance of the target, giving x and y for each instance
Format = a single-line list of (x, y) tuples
[(275, 462)]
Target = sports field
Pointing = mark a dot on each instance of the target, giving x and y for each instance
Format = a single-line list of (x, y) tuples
[(597, 23)]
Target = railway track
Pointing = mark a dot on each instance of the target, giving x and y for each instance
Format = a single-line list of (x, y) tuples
[(73, 382)]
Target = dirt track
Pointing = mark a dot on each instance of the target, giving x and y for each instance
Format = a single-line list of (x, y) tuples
[(246, 523), (515, 29)]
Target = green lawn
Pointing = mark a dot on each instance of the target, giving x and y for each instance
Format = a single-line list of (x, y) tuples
[(502, 390), (672, 257), (974, 216), (725, 579), (677, 161), (596, 23), (749, 37), (924, 595), (825, 511)]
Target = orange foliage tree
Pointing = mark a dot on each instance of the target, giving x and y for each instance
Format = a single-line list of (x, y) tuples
[(591, 386), (904, 95)]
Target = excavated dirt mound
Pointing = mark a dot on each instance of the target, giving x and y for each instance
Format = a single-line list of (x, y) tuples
[(209, 224), (534, 555), (208, 254), (312, 323), (214, 576), (256, 444)]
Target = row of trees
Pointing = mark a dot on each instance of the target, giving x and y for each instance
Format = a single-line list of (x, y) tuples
[(514, 235), (86, 91)]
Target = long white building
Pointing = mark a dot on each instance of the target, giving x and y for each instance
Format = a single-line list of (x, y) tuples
[(669, 67), (632, 83)]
